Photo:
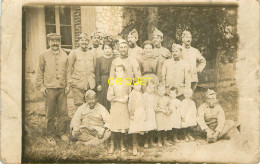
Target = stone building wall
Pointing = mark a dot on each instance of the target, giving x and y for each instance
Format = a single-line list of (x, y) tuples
[(109, 20)]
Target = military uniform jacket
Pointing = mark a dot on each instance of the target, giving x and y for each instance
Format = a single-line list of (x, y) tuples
[(52, 70), (196, 61), (176, 74), (81, 69)]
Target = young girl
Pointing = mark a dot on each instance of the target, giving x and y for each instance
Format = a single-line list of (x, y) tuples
[(118, 96), (188, 114), (150, 121), (163, 116), (174, 107), (137, 115)]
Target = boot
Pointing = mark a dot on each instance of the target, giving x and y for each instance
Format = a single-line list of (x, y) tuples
[(165, 142)]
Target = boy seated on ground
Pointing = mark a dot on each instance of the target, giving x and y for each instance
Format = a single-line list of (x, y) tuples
[(89, 124), (211, 120)]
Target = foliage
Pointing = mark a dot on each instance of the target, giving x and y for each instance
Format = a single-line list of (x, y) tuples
[(213, 28)]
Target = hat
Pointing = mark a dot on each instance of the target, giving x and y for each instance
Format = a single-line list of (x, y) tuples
[(211, 94), (134, 33), (120, 41), (90, 93), (184, 33), (176, 46), (96, 34), (53, 36), (157, 32), (83, 35)]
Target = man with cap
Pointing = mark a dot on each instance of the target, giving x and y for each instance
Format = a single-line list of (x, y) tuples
[(175, 72), (211, 120), (131, 65), (90, 123), (51, 76), (96, 46), (134, 50), (161, 52), (81, 68), (192, 56)]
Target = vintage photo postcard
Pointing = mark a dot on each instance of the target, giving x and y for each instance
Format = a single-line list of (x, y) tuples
[(130, 81)]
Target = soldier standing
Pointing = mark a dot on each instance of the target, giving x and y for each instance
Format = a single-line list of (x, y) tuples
[(52, 76), (81, 75)]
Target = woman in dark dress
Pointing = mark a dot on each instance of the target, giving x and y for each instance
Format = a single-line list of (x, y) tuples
[(103, 66)]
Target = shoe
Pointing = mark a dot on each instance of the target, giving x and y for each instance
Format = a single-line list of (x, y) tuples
[(123, 147), (153, 144), (146, 145), (64, 138), (210, 140), (176, 140), (166, 142), (191, 138), (187, 139), (51, 140)]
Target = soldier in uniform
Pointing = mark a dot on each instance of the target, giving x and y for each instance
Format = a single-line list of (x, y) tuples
[(134, 50), (52, 77), (81, 70), (192, 56), (175, 72), (96, 46), (90, 123), (131, 65), (212, 122), (161, 52)]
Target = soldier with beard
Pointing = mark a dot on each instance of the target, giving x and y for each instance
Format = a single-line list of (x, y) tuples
[(96, 47), (161, 52), (81, 75), (134, 50)]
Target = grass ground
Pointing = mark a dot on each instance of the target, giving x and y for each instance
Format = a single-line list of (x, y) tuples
[(37, 149)]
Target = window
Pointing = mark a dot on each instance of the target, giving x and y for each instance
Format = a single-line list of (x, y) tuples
[(58, 19)]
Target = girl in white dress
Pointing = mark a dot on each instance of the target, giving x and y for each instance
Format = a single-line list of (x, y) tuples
[(150, 104), (188, 115), (174, 107), (118, 96), (163, 116), (137, 115)]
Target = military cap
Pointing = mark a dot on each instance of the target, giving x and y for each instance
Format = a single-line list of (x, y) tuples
[(157, 32), (53, 36), (83, 35), (120, 41), (134, 33), (96, 34), (89, 94)]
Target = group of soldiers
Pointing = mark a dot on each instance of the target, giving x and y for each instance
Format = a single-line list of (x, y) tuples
[(58, 74)]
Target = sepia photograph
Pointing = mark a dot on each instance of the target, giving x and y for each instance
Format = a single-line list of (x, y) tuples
[(134, 83)]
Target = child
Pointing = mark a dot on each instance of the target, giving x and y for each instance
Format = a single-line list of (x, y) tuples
[(174, 107), (118, 96), (188, 114), (149, 101), (163, 116), (137, 115)]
